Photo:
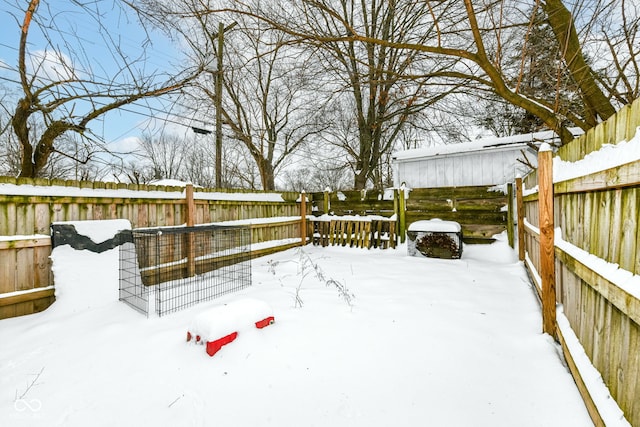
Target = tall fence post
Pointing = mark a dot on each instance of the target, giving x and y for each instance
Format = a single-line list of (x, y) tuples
[(520, 220), (325, 201), (191, 214), (510, 225), (303, 218), (547, 251), (191, 205), (402, 224)]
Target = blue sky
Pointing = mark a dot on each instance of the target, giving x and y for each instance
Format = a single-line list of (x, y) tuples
[(88, 49)]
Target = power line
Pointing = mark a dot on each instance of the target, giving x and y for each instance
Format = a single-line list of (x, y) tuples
[(187, 123), (146, 106), (133, 45)]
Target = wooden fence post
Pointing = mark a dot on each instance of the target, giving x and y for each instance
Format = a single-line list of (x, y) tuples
[(191, 214), (402, 203), (303, 218), (547, 251), (325, 201), (520, 214), (510, 225)]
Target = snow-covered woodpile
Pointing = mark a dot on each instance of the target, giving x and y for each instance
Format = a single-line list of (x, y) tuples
[(435, 239)]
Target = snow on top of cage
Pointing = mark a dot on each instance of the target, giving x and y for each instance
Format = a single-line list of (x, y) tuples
[(99, 230), (435, 225)]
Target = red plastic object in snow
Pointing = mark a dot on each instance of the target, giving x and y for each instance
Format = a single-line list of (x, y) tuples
[(220, 325), (189, 337), (214, 346), (265, 322)]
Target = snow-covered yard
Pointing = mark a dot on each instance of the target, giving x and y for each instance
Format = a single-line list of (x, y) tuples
[(426, 342)]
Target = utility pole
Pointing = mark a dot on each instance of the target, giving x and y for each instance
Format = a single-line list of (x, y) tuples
[(218, 80), (218, 100), (219, 77)]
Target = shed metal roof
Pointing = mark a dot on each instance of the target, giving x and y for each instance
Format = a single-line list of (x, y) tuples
[(484, 144)]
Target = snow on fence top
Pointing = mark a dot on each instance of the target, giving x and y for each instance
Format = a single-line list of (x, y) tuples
[(361, 218), (607, 157), (113, 190), (20, 237)]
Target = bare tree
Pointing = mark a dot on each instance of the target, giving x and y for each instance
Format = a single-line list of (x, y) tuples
[(377, 91), (71, 160), (618, 29), (64, 98), (167, 154), (267, 100), (237, 171), (386, 62), (269, 104), (134, 172), (316, 176), (562, 23), (9, 147), (475, 35)]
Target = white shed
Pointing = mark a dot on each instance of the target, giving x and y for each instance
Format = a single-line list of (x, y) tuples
[(487, 161)]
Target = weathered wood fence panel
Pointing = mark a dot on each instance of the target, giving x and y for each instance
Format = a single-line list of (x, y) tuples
[(353, 203), (480, 210), (25, 214), (28, 207), (25, 275), (597, 260), (359, 232)]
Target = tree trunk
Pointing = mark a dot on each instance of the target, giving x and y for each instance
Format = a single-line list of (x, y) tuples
[(360, 181), (34, 160), (267, 175), (562, 23), (21, 129)]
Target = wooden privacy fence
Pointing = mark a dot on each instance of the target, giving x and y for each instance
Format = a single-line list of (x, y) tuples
[(354, 231), (581, 242), (26, 281), (28, 207), (482, 211)]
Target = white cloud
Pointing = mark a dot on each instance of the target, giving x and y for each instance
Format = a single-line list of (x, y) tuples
[(126, 145), (51, 66)]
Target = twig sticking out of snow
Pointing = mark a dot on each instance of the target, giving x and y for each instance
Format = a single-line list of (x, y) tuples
[(305, 260), (177, 398), (30, 386), (307, 266)]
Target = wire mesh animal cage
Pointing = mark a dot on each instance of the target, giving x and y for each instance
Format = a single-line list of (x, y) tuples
[(182, 266)]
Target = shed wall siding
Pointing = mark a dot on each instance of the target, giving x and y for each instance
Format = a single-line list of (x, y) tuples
[(487, 168)]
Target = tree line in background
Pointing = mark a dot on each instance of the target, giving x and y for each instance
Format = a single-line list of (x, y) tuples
[(308, 94)]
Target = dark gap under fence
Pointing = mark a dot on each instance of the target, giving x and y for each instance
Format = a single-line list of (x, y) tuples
[(174, 268)]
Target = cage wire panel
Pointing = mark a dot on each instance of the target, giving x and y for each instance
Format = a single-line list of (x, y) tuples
[(187, 265), (131, 289)]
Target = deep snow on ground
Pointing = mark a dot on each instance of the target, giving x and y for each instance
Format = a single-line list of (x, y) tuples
[(426, 342)]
